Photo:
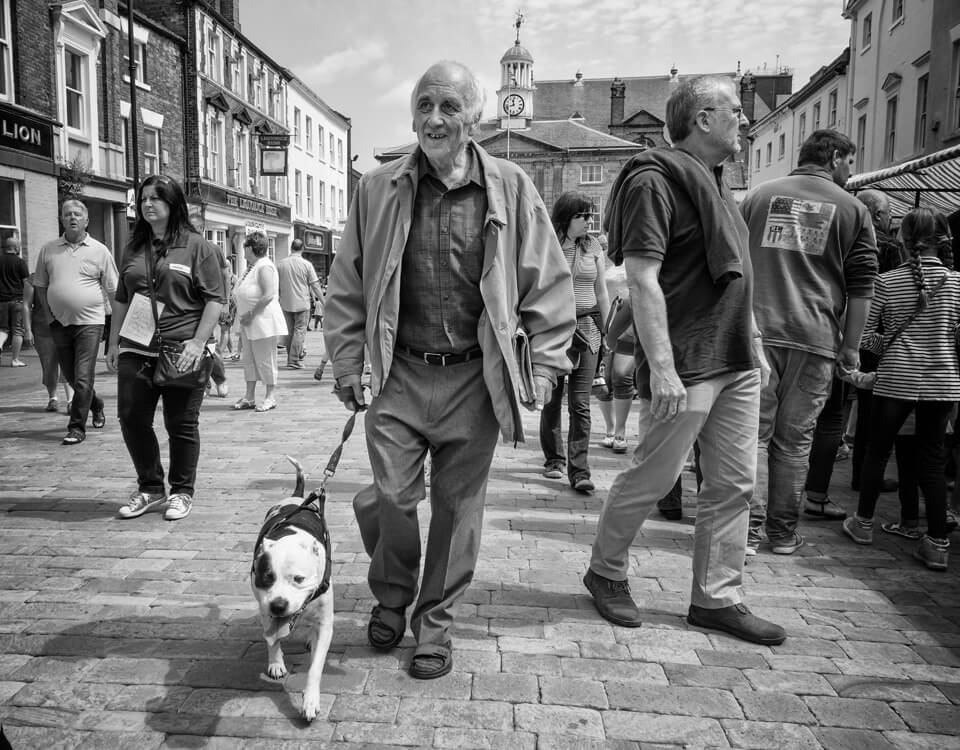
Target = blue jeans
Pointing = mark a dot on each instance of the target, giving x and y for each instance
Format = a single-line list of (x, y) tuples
[(77, 348), (296, 334), (790, 403), (721, 416), (137, 399), (578, 407)]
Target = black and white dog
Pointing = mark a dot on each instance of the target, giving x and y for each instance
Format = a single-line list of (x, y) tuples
[(291, 571)]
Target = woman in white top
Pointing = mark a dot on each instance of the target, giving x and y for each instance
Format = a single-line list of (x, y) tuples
[(918, 372), (261, 323)]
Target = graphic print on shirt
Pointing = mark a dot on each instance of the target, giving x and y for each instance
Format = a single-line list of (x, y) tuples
[(797, 224)]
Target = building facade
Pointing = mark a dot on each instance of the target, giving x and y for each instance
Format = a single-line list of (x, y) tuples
[(320, 162)]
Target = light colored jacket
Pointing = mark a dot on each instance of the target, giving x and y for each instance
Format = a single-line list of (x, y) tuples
[(525, 281)]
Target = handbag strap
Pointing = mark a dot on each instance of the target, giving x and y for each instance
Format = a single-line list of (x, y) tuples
[(151, 285), (914, 314)]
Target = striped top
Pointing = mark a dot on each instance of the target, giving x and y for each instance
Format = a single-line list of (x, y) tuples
[(922, 363), (589, 258)]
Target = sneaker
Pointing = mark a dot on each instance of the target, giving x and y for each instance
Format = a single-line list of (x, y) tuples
[(553, 471), (859, 530), (99, 419), (607, 442), (73, 437), (140, 503), (584, 485), (619, 445), (612, 600), (294, 365), (17, 363), (671, 506), (933, 552), (53, 405), (788, 546), (738, 621), (318, 373), (908, 531), (825, 508), (178, 506)]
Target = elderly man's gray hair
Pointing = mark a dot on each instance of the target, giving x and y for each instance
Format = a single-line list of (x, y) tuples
[(473, 93)]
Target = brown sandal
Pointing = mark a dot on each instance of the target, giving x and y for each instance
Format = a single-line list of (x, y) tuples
[(431, 660), (386, 627)]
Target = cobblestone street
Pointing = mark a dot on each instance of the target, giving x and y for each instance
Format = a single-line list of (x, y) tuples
[(143, 634)]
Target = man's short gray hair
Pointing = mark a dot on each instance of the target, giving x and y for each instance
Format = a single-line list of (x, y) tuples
[(75, 201), (689, 98), (473, 93)]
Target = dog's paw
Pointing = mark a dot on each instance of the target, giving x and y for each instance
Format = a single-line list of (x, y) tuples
[(311, 704), (277, 671)]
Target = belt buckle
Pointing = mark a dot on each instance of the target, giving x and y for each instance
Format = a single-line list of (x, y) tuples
[(434, 358)]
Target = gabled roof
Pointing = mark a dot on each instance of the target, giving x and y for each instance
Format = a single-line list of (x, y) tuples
[(642, 118), (550, 135)]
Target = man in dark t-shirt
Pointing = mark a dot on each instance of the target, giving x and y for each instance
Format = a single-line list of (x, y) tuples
[(14, 324), (700, 365)]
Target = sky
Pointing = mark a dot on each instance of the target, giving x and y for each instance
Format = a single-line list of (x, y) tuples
[(362, 57)]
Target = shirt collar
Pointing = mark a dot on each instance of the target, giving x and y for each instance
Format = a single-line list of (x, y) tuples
[(474, 170), (65, 241)]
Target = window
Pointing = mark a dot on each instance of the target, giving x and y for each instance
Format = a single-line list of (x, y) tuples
[(240, 149), (340, 212), (212, 55), (296, 127), (332, 154), (76, 90), (832, 109), (782, 146), (595, 214), (867, 31), (769, 153), (802, 129), (151, 150), (896, 12), (309, 196), (320, 142), (218, 237), (259, 83), (214, 144), (9, 210), (321, 187), (297, 190), (139, 57), (756, 161), (308, 133), (276, 108), (591, 174), (890, 138), (340, 154), (816, 116), (125, 143), (861, 141), (6, 55), (920, 134), (332, 208)]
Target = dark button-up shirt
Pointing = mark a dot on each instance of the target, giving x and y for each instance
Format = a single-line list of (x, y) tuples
[(440, 302)]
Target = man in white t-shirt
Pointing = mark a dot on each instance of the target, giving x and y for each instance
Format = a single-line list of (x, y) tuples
[(298, 286)]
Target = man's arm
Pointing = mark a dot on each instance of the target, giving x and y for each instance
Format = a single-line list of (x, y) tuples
[(668, 394), (27, 312), (858, 308)]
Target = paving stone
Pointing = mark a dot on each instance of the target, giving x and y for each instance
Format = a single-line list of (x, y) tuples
[(768, 705), (734, 659), (886, 690), (578, 722), (536, 664), (482, 739), (365, 707), (454, 686), (572, 692), (851, 739), (122, 741), (378, 734), (856, 713), (48, 738), (913, 741), (763, 735), (686, 701), (515, 688), (674, 730), (604, 669), (690, 675), (800, 683), (493, 715), (929, 718)]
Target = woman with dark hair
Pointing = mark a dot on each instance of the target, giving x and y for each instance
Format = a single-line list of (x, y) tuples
[(571, 220), (166, 253), (917, 306)]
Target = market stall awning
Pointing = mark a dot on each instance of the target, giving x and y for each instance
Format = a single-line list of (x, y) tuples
[(932, 181)]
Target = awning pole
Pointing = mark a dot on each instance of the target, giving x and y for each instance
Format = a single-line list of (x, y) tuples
[(916, 199)]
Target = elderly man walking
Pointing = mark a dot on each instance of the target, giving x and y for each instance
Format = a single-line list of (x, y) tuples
[(815, 260), (445, 255), (75, 274), (675, 224), (298, 281)]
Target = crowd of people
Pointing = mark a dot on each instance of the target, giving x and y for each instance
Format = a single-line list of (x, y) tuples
[(738, 333)]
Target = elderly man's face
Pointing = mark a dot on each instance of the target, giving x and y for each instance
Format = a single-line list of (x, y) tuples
[(441, 118), (73, 217), (726, 119)]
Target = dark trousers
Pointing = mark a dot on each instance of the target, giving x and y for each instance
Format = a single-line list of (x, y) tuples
[(888, 416), (137, 399), (578, 407), (907, 458), (827, 437), (218, 374), (77, 348)]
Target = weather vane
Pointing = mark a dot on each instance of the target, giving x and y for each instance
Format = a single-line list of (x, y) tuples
[(517, 23)]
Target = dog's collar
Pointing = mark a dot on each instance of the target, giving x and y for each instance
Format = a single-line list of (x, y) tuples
[(307, 516)]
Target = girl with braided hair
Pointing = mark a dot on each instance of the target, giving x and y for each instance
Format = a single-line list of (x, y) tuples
[(917, 306)]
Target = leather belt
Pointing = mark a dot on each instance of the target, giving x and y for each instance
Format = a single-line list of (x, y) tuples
[(443, 359)]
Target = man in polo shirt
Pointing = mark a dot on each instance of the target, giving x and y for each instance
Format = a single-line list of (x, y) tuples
[(298, 280), (14, 323), (74, 275)]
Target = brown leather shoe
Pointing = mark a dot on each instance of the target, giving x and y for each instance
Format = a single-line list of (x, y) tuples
[(738, 621), (612, 600)]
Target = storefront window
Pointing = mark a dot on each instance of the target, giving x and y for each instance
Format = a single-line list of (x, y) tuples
[(8, 211)]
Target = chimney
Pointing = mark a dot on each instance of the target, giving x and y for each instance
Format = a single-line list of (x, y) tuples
[(618, 95), (748, 95), (230, 10), (577, 98)]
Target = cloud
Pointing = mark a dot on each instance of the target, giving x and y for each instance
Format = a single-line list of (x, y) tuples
[(351, 59)]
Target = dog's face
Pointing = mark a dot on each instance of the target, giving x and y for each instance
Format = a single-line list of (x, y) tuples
[(287, 572)]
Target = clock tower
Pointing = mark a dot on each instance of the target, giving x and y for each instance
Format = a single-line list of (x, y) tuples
[(515, 95)]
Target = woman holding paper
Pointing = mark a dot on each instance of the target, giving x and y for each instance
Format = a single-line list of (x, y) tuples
[(166, 253)]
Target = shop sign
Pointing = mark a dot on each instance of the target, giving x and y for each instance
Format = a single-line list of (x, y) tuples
[(254, 226), (313, 240), (246, 203), (22, 132)]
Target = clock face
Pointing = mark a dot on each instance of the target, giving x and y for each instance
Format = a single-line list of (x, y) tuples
[(513, 104)]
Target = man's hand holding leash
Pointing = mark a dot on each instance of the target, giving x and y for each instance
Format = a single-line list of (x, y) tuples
[(349, 390)]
